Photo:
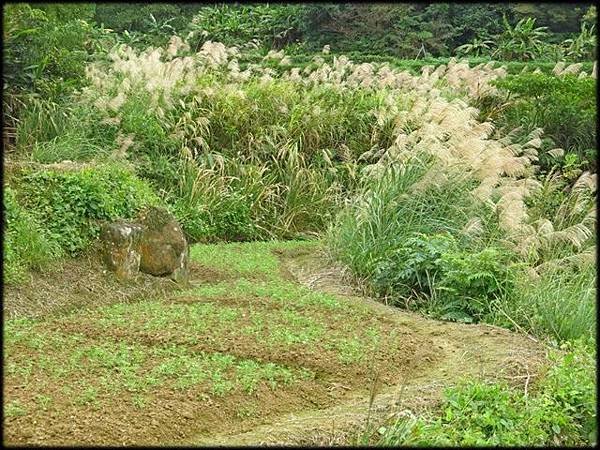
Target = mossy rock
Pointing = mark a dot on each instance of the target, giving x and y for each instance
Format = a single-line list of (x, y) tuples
[(154, 245), (163, 247)]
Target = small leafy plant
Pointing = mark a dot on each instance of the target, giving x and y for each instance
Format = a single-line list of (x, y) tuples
[(27, 245), (413, 266)]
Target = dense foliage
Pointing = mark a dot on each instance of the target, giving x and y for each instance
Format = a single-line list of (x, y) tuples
[(404, 30), (564, 106), (70, 204), (27, 245), (45, 49)]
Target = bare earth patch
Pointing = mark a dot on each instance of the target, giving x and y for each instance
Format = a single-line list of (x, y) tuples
[(268, 344)]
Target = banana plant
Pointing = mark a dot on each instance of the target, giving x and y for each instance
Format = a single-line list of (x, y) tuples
[(477, 47), (156, 27), (130, 38), (524, 40), (583, 46)]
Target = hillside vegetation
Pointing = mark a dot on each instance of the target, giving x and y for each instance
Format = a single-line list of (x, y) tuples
[(449, 173)]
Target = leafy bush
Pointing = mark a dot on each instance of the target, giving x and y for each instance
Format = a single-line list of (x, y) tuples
[(560, 409), (273, 25), (462, 285), (145, 24), (400, 30), (71, 203), (231, 219), (522, 41), (241, 199), (67, 146), (406, 30), (471, 282), (564, 106), (52, 132), (477, 47), (412, 30), (44, 52), (583, 46), (414, 265), (46, 48), (388, 212)]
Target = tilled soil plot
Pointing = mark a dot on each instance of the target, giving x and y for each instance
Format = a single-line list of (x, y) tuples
[(268, 345)]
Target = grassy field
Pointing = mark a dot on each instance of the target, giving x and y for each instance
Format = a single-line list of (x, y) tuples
[(246, 340)]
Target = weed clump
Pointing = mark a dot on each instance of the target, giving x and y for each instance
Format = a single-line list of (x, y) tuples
[(551, 412), (27, 244)]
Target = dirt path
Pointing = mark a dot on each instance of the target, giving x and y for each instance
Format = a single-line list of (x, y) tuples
[(73, 284), (479, 351)]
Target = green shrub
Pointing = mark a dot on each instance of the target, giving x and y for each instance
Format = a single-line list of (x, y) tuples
[(67, 146), (147, 24), (583, 46), (559, 409), (413, 265), (194, 219), (287, 151), (522, 41), (470, 282), (268, 116), (48, 131), (46, 48), (274, 25), (236, 199), (234, 219), (43, 51), (460, 285), (230, 219), (403, 30), (569, 389), (564, 106), (71, 203), (26, 244)]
